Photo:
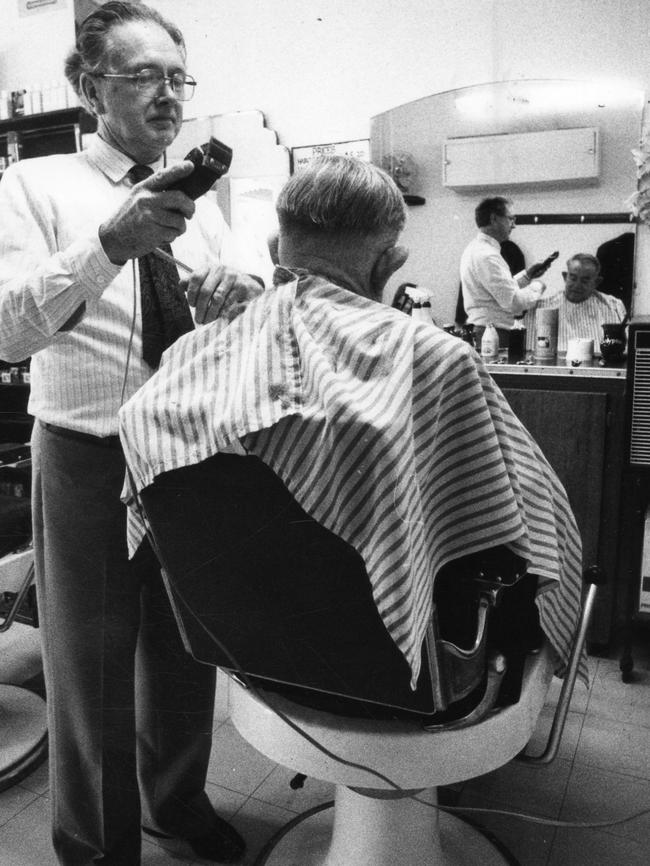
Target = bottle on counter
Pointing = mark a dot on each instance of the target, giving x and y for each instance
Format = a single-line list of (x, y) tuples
[(490, 344), (421, 308), (546, 336), (517, 342)]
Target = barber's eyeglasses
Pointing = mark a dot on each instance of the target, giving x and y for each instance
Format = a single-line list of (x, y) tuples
[(148, 81)]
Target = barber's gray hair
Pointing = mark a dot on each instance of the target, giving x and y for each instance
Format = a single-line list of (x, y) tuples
[(584, 259), (341, 194), (92, 35)]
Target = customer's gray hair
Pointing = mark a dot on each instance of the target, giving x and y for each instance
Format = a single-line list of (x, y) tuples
[(339, 194), (585, 259)]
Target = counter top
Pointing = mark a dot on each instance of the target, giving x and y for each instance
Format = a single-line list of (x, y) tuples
[(595, 369)]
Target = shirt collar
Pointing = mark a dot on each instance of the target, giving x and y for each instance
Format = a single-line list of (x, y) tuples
[(493, 241), (283, 275), (112, 162)]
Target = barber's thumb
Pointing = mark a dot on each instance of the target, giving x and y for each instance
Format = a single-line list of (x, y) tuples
[(164, 178)]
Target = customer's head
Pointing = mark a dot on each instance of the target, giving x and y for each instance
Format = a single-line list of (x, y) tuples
[(581, 278), (496, 217), (128, 67), (344, 216)]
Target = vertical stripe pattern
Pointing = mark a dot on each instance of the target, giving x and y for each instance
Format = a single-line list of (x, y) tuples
[(388, 431)]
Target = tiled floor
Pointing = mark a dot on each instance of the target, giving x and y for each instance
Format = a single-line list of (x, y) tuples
[(602, 773)]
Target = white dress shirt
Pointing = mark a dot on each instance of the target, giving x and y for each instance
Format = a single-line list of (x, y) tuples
[(490, 292), (51, 260)]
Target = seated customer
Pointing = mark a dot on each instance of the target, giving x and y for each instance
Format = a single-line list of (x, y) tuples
[(387, 431), (582, 309)]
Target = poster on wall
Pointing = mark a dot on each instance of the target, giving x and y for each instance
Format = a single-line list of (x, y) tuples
[(301, 157), (30, 7)]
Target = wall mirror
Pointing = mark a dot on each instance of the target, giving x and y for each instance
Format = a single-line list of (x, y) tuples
[(562, 150)]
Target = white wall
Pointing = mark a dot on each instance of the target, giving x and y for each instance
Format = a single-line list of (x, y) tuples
[(320, 69), (33, 47)]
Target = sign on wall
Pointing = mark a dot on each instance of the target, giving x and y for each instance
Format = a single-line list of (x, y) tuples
[(301, 157)]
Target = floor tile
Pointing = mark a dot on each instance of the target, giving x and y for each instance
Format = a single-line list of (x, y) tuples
[(530, 843), (226, 802), (592, 848), (538, 790), (595, 795), (154, 855), (276, 789), (614, 745), (13, 801), (26, 839), (235, 764), (258, 822), (611, 698), (38, 781)]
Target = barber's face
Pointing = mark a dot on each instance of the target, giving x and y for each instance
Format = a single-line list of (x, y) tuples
[(503, 224), (580, 281), (142, 125)]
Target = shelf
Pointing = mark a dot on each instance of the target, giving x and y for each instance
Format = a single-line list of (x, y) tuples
[(49, 120)]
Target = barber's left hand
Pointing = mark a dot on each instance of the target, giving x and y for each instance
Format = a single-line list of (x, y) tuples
[(220, 292)]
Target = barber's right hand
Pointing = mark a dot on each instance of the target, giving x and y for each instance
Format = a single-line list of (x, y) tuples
[(150, 215), (537, 270)]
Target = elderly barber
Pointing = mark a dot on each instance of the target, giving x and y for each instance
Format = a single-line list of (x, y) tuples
[(387, 431), (582, 309), (490, 293), (95, 321)]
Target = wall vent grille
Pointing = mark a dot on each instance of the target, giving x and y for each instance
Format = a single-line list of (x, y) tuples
[(640, 421)]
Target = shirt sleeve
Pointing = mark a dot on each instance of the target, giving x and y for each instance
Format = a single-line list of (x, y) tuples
[(512, 294), (41, 287)]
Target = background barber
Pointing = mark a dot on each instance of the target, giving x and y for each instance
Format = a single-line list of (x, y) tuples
[(490, 292), (73, 297)]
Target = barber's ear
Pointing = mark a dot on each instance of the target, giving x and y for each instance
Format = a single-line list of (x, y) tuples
[(390, 261), (89, 94)]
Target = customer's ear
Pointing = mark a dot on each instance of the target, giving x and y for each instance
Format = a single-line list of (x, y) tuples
[(390, 261)]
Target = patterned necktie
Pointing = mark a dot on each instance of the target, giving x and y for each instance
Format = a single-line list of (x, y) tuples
[(165, 311)]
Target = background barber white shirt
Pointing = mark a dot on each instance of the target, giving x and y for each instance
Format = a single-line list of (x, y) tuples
[(490, 292)]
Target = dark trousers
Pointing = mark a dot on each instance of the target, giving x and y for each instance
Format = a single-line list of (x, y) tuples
[(129, 711)]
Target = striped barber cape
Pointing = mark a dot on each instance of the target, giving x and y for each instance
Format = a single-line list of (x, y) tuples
[(387, 431)]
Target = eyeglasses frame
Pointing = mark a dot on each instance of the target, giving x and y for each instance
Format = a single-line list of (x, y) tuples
[(189, 80)]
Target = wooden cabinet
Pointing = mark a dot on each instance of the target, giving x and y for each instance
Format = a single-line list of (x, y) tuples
[(579, 425)]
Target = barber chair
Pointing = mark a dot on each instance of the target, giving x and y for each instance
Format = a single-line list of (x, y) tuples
[(263, 591), (23, 726)]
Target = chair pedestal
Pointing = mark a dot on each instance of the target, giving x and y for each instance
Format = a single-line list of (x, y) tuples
[(362, 830), (371, 824)]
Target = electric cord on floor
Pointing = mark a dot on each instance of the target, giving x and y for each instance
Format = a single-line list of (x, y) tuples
[(239, 673), (524, 816)]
